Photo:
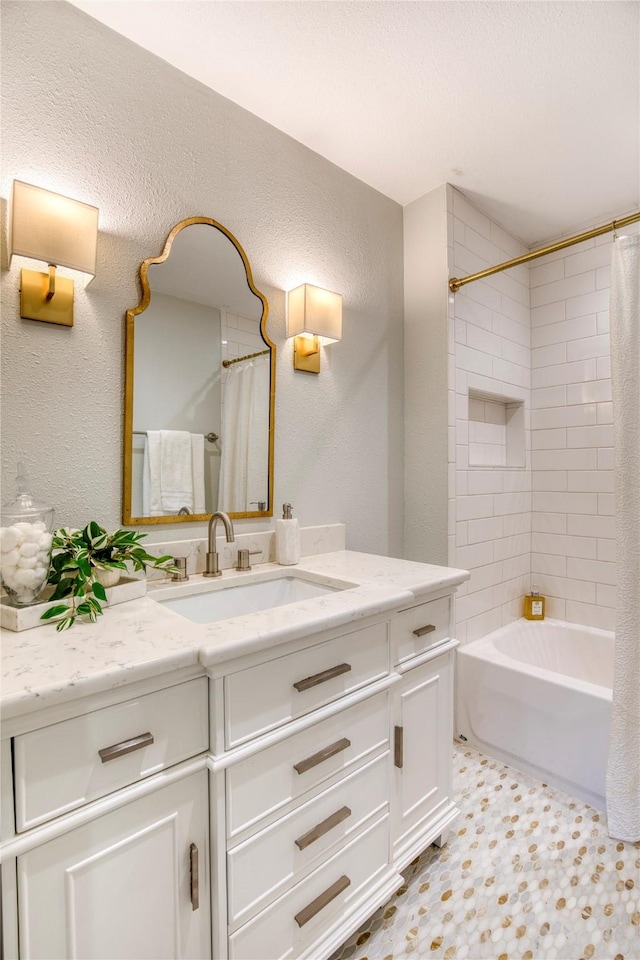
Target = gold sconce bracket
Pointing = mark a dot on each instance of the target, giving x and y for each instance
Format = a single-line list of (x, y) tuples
[(306, 354), (46, 297)]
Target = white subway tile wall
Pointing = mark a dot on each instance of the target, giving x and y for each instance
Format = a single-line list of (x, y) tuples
[(490, 515), (538, 334), (573, 539)]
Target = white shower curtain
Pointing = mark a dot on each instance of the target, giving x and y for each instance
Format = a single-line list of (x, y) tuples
[(623, 770), (244, 474)]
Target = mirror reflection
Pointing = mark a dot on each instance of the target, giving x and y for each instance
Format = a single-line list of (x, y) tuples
[(199, 384)]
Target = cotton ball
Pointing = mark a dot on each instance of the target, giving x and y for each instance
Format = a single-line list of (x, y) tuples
[(25, 578), (22, 528), (40, 572), (37, 578), (39, 525), (43, 556), (27, 563), (28, 549), (45, 541), (9, 575), (9, 539), (10, 559), (34, 533)]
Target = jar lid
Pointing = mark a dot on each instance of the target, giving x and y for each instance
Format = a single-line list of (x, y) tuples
[(23, 504)]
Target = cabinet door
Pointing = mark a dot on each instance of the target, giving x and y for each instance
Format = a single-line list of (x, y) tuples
[(423, 737), (121, 886)]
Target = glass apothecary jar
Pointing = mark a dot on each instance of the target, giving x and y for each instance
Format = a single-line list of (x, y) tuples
[(25, 545)]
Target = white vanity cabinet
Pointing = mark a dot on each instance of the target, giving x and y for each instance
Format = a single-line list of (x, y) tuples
[(423, 735), (257, 806), (107, 854), (131, 884), (302, 771), (332, 772), (423, 807)]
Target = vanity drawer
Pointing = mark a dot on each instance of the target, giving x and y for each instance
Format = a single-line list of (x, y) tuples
[(318, 901), (263, 867), (264, 783), (415, 630), (67, 764), (270, 694)]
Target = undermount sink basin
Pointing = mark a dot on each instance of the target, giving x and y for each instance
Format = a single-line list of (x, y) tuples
[(209, 601)]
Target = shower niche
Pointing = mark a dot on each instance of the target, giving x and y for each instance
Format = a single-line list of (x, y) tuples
[(496, 430)]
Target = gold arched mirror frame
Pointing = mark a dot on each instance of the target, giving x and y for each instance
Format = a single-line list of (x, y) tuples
[(131, 314)]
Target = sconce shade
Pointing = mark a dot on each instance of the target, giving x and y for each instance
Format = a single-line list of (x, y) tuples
[(55, 229), (312, 311)]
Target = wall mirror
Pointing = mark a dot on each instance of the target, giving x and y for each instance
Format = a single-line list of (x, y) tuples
[(199, 384)]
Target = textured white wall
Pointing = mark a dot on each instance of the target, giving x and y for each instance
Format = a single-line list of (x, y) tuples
[(425, 290), (89, 114)]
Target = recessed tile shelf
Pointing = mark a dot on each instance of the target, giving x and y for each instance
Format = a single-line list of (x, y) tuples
[(496, 430)]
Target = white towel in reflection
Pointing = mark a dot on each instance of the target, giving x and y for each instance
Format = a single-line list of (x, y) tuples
[(167, 483), (197, 471)]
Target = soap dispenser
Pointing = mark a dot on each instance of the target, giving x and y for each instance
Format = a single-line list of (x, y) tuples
[(287, 538), (534, 605)]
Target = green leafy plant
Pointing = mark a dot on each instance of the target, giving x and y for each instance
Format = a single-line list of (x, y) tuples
[(77, 557)]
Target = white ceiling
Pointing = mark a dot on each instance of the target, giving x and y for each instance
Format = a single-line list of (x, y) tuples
[(531, 108)]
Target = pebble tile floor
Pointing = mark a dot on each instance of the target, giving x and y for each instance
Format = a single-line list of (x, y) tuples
[(529, 873)]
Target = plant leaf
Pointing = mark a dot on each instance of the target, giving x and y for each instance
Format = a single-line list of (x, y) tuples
[(63, 589), (55, 611), (83, 609), (98, 590), (66, 623)]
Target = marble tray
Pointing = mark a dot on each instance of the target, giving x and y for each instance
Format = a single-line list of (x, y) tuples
[(26, 618)]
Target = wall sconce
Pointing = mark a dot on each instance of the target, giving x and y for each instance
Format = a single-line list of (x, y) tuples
[(61, 232), (312, 313)]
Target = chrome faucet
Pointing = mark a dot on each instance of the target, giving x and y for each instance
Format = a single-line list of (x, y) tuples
[(212, 568)]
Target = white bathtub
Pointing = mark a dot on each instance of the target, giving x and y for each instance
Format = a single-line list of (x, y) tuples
[(537, 695)]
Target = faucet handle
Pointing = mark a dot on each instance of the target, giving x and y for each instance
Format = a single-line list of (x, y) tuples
[(243, 559), (181, 573)]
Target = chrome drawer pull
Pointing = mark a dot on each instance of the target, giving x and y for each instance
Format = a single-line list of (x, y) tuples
[(195, 876), (317, 678), (321, 828), (125, 746), (320, 902), (398, 746), (420, 632), (322, 755)]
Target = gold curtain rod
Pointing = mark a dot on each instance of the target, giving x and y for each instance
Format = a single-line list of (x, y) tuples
[(249, 356), (456, 282)]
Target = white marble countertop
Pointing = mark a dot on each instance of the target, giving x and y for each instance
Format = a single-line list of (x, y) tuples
[(142, 639)]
